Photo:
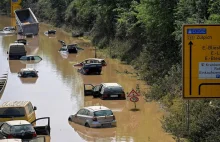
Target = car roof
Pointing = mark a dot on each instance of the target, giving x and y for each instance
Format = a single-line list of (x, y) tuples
[(96, 108), (28, 69), (14, 104), (9, 27), (31, 56), (95, 59), (10, 140), (16, 44), (111, 84), (17, 122)]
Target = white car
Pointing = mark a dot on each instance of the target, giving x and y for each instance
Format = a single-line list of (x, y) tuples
[(94, 116)]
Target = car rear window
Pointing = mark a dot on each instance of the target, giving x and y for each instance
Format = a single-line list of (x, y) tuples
[(20, 128), (12, 112), (103, 113), (114, 90)]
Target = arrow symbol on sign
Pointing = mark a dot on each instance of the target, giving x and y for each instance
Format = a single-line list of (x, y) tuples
[(190, 67)]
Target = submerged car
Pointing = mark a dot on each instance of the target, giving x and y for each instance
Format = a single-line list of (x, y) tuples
[(105, 91), (94, 116), (24, 41), (8, 30), (23, 129), (31, 57), (92, 60), (92, 68), (28, 72), (50, 32)]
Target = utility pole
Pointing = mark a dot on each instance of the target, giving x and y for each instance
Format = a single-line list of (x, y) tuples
[(95, 51), (187, 117)]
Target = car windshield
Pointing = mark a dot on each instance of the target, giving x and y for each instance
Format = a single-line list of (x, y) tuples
[(103, 113), (20, 128), (12, 112)]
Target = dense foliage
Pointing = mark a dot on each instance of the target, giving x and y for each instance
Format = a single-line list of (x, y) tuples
[(146, 34)]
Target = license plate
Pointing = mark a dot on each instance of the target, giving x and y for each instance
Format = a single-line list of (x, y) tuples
[(114, 95), (106, 125)]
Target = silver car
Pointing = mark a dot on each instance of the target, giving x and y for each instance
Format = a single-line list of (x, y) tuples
[(94, 116)]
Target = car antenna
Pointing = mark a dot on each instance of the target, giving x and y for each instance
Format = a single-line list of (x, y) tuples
[(100, 105)]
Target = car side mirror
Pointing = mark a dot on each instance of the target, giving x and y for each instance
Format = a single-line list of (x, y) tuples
[(75, 115), (35, 108), (37, 71)]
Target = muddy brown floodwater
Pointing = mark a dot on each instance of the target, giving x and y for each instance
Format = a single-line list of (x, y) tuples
[(58, 91)]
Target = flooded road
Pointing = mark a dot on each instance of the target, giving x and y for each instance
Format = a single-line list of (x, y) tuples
[(58, 91)]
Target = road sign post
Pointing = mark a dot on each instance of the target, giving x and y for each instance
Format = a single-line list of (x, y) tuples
[(15, 4), (201, 61), (134, 97)]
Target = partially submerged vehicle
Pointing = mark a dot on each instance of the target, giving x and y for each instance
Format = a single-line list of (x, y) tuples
[(16, 51), (8, 30), (23, 129), (24, 41), (70, 48), (94, 116), (92, 68), (36, 139), (31, 57), (28, 72), (105, 91), (17, 110), (50, 32), (92, 60), (26, 22)]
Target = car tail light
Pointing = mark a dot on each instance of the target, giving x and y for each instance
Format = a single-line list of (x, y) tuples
[(9, 136), (105, 96), (34, 134), (113, 117), (94, 119), (86, 70), (122, 95)]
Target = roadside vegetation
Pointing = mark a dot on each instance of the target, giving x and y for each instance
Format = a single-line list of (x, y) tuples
[(147, 35)]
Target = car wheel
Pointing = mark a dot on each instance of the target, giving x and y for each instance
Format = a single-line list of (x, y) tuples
[(87, 125)]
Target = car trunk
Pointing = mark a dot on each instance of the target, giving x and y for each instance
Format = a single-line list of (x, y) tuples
[(105, 119), (24, 135)]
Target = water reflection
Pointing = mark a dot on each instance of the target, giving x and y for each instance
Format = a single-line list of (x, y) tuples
[(29, 80), (16, 65), (94, 134)]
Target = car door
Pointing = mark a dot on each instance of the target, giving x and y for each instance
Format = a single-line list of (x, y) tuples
[(96, 90), (88, 89), (42, 130), (80, 116)]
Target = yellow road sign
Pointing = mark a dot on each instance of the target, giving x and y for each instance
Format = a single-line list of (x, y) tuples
[(201, 61), (15, 5)]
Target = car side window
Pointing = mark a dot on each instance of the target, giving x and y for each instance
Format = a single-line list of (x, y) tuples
[(96, 88), (37, 58), (81, 112), (102, 90), (6, 128), (86, 112)]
